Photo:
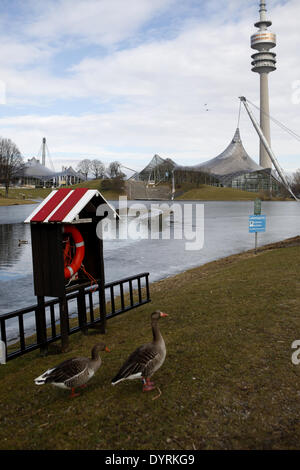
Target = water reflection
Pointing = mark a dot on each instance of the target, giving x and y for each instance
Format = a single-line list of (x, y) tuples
[(15, 214), (10, 248)]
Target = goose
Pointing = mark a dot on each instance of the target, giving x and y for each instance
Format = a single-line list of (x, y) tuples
[(146, 359), (74, 372)]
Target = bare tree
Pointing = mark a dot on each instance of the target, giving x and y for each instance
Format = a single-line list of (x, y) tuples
[(97, 168), (114, 169), (84, 166), (295, 183), (11, 163)]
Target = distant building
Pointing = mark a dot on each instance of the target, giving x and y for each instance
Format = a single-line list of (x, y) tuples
[(36, 174), (68, 176), (232, 168), (158, 169)]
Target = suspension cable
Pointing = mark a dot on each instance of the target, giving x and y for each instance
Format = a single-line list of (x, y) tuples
[(283, 127), (49, 158), (239, 116)]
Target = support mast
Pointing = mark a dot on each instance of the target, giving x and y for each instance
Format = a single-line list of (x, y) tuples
[(267, 148), (44, 151)]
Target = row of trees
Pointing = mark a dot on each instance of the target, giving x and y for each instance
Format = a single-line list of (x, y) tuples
[(295, 182), (11, 163), (98, 170)]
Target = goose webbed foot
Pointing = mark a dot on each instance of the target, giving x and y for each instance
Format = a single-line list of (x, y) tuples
[(148, 385)]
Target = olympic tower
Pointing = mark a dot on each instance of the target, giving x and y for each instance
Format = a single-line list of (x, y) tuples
[(263, 63)]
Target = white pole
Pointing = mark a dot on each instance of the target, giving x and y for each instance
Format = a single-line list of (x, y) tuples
[(267, 147), (173, 186)]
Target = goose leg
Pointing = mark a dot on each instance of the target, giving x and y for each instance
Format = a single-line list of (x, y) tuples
[(148, 381), (73, 394), (147, 385)]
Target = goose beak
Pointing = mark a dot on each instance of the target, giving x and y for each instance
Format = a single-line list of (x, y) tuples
[(106, 349), (162, 314)]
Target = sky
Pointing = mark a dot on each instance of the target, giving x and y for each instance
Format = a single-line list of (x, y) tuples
[(126, 79)]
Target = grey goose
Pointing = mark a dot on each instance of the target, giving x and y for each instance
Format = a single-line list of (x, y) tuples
[(146, 359), (74, 372)]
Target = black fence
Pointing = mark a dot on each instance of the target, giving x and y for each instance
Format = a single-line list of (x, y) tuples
[(41, 324)]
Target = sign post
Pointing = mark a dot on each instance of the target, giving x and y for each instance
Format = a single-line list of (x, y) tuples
[(257, 206), (257, 222)]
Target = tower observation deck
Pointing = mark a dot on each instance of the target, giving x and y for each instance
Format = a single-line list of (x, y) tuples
[(263, 63)]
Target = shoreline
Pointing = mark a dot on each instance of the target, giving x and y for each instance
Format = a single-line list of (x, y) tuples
[(230, 259), (18, 202), (15, 202), (185, 192)]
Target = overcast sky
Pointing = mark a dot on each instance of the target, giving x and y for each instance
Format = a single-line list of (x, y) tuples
[(125, 79)]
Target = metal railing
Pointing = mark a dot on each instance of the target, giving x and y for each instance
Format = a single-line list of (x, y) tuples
[(40, 324)]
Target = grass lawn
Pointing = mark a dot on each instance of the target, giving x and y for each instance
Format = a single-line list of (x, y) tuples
[(227, 382), (23, 195), (188, 192), (213, 193), (29, 195), (97, 184), (14, 201)]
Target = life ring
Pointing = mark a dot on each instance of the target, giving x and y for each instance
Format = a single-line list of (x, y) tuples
[(80, 250)]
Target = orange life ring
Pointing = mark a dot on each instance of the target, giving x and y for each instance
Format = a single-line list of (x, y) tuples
[(80, 250)]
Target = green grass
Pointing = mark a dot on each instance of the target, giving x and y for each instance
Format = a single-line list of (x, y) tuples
[(23, 195), (204, 193), (30, 195), (14, 202), (227, 383), (97, 184), (213, 193)]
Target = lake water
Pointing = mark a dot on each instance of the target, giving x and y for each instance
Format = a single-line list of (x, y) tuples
[(225, 233)]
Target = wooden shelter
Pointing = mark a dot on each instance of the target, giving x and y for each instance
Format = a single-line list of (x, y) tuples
[(50, 222)]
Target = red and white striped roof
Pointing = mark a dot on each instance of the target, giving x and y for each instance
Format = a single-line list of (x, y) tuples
[(64, 205)]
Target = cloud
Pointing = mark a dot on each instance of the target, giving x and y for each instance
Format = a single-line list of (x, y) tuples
[(150, 95), (104, 22)]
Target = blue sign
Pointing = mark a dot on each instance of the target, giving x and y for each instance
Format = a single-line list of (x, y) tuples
[(257, 223)]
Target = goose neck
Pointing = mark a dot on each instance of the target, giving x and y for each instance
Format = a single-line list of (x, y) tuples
[(157, 337), (95, 357)]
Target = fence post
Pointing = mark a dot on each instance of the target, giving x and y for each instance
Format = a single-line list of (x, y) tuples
[(40, 319), (64, 323), (147, 286), (81, 307)]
